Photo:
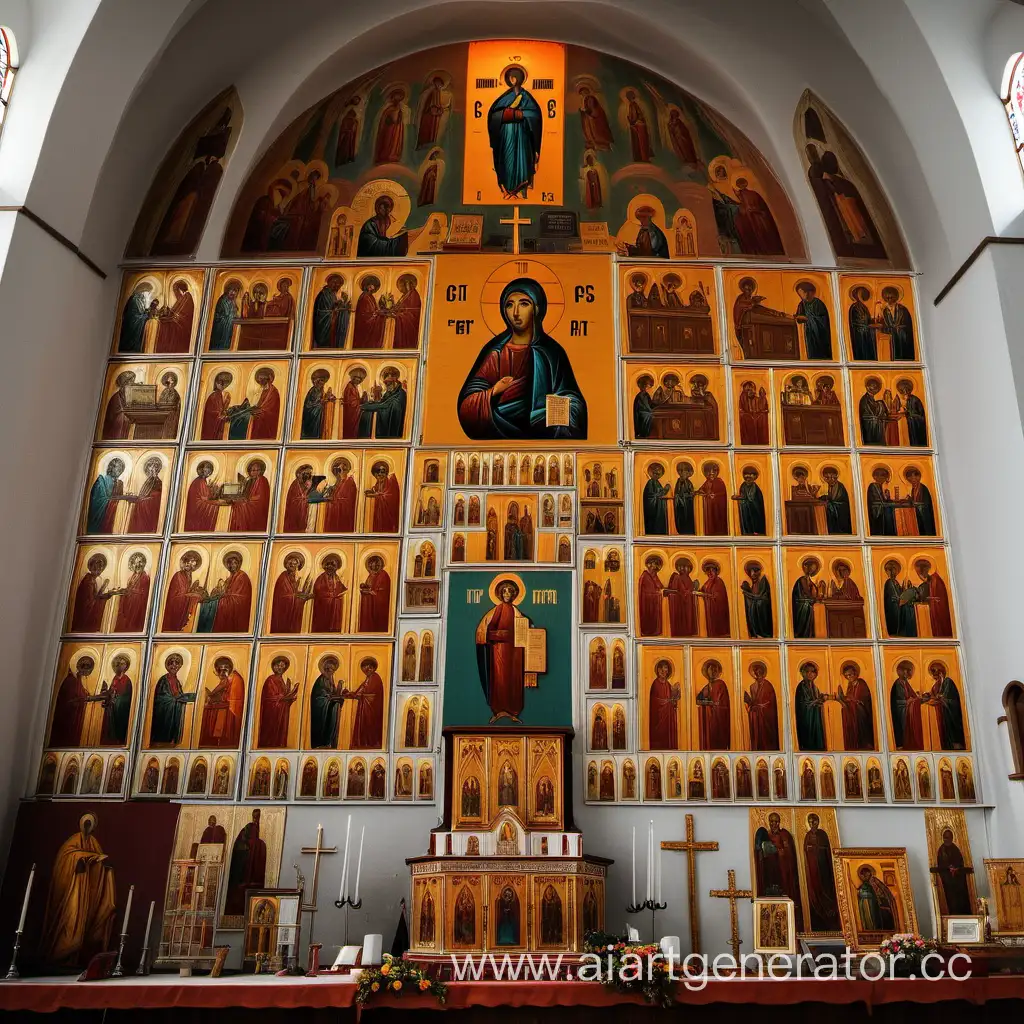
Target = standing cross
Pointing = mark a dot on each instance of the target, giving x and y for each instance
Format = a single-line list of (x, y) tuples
[(732, 894), (316, 851), (515, 221), (691, 848)]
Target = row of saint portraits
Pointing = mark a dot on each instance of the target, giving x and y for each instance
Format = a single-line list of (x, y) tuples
[(741, 699), (848, 779), (360, 400), (215, 776), (775, 316), (325, 697), (351, 588), (680, 493)]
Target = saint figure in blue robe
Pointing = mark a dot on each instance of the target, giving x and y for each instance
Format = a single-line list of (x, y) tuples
[(134, 318), (515, 128)]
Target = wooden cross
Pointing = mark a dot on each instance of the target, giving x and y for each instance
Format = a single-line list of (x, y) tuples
[(515, 221), (317, 851), (732, 894), (691, 848)]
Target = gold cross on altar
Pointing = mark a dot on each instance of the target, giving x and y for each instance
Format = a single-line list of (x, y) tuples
[(691, 848), (515, 221), (317, 851), (732, 894)]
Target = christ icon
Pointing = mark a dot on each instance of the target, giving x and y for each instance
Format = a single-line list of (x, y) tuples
[(500, 661), (506, 393), (514, 128)]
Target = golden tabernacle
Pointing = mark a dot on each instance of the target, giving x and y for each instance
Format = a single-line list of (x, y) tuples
[(505, 871)]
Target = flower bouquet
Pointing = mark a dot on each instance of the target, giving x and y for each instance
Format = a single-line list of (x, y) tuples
[(638, 968), (907, 951), (395, 976)]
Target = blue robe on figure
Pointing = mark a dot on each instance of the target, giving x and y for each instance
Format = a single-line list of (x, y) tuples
[(515, 129), (133, 324)]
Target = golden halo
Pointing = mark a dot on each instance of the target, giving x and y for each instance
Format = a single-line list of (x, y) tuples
[(502, 577), (363, 202), (490, 294)]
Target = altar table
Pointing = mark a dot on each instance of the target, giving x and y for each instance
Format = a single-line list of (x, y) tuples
[(168, 997)]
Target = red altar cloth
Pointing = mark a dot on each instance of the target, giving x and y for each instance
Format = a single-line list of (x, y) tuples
[(168, 991)]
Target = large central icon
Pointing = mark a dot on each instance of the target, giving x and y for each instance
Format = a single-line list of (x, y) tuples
[(522, 384)]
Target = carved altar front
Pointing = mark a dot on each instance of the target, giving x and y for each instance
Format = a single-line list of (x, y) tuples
[(505, 871)]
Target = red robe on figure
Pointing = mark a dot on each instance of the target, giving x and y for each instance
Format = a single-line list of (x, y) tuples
[(234, 606), (87, 614), (763, 715), (717, 605), (340, 511), (120, 686), (651, 589), (296, 508), (174, 332), (663, 728), (713, 724), (286, 607), (351, 403), (68, 713), (504, 662), (275, 713), (938, 607), (368, 727), (407, 320), (375, 603), (221, 726), (716, 507), (387, 504), (116, 425), (250, 515), (328, 603), (213, 427), (369, 323), (682, 608), (131, 607), (179, 604), (145, 514), (200, 510), (266, 415)]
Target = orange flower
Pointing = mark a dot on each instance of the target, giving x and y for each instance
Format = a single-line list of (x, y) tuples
[(386, 970), (396, 985), (424, 985), (375, 987)]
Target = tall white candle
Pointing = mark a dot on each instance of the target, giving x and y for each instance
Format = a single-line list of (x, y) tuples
[(634, 865), (28, 893), (650, 861), (344, 863), (127, 910), (657, 891), (359, 864), (149, 923)]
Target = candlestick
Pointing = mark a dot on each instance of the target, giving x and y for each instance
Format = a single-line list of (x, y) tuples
[(343, 894), (359, 864), (143, 967), (650, 861), (127, 910), (28, 893), (118, 971), (634, 865)]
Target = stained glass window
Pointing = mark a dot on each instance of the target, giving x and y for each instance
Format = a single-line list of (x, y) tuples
[(1013, 100), (8, 67)]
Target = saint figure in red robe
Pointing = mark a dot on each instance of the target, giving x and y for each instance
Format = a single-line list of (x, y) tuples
[(249, 512), (663, 709), (69, 707), (289, 598), (716, 502), (385, 499), (221, 724), (716, 601), (340, 507), (651, 590), (713, 709), (682, 605), (276, 700), (328, 597), (375, 598), (370, 320), (500, 663), (133, 597), (201, 505), (91, 598), (214, 423), (368, 726)]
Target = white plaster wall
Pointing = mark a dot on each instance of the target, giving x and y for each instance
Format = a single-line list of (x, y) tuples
[(108, 84)]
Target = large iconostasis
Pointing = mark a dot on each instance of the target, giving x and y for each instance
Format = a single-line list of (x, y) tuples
[(601, 455), (735, 509)]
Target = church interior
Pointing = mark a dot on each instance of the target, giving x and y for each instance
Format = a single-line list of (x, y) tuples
[(524, 498)]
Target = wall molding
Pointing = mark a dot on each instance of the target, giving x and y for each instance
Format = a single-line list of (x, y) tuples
[(56, 235), (973, 258)]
